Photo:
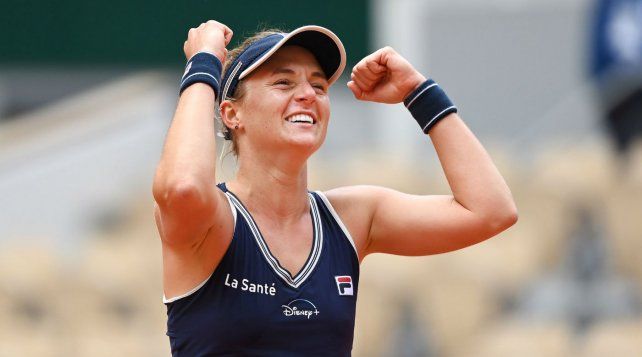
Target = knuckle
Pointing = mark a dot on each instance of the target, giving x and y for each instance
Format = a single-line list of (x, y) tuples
[(372, 66)]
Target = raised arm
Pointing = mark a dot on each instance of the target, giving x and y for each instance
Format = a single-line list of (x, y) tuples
[(481, 204), (189, 207)]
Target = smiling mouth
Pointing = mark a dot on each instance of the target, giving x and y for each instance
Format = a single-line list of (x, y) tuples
[(301, 118)]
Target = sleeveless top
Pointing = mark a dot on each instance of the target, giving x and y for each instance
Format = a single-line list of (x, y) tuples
[(252, 306)]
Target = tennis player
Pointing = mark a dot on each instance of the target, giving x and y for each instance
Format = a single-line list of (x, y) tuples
[(261, 265)]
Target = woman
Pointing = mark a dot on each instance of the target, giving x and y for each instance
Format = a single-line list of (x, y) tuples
[(260, 265)]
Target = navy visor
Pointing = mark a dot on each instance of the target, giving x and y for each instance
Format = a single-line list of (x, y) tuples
[(321, 42)]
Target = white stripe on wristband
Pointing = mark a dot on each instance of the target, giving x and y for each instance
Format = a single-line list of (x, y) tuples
[(197, 73), (420, 93), (429, 124), (428, 104)]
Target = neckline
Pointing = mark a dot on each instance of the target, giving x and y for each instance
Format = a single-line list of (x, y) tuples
[(315, 251)]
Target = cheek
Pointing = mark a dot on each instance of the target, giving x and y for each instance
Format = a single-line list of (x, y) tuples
[(324, 107), (263, 110)]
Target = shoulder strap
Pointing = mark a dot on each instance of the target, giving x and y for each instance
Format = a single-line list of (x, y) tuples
[(320, 197), (222, 187)]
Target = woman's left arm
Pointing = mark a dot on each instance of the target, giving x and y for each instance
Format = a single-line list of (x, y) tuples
[(481, 204)]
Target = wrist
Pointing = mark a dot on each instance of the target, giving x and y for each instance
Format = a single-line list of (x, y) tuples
[(203, 67), (428, 104), (415, 82), (220, 54)]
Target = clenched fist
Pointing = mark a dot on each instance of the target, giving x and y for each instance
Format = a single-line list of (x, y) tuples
[(385, 77), (211, 36)]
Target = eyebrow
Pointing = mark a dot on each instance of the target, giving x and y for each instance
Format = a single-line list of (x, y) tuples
[(284, 70)]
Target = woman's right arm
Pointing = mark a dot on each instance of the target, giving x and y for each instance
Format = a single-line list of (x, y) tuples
[(192, 215)]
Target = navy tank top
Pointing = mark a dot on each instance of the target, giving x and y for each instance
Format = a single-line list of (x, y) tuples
[(252, 306)]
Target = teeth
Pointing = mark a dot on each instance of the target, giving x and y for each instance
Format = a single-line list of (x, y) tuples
[(300, 118)]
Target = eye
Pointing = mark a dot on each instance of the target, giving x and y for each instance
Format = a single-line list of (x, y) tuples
[(319, 87), (283, 82)]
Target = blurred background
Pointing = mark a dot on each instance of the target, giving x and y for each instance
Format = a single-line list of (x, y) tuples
[(553, 89)]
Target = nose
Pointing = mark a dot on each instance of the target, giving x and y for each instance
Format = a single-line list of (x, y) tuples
[(305, 93)]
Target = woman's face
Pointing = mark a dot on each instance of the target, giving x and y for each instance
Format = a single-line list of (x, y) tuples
[(285, 105)]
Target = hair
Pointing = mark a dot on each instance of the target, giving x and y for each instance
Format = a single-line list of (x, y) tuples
[(240, 88)]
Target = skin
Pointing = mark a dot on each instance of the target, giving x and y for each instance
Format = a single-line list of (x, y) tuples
[(194, 218)]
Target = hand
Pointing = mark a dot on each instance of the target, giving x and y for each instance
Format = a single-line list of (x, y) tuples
[(385, 77), (211, 36)]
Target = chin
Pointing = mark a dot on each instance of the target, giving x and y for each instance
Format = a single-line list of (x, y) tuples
[(306, 143)]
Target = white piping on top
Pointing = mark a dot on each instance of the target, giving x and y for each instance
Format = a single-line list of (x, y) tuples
[(229, 202), (338, 219), (195, 289), (315, 254), (167, 301)]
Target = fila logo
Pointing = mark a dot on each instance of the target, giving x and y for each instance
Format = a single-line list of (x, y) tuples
[(344, 284)]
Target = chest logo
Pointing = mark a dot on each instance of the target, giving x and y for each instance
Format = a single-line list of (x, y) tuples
[(251, 287), (300, 307), (344, 284)]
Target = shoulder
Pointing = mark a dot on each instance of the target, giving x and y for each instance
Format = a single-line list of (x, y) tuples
[(355, 206)]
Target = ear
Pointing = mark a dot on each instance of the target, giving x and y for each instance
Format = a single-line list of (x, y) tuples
[(229, 115)]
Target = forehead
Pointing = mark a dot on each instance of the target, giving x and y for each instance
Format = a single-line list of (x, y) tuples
[(289, 56)]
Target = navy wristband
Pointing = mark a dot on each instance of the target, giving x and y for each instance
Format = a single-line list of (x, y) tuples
[(203, 67), (428, 104)]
